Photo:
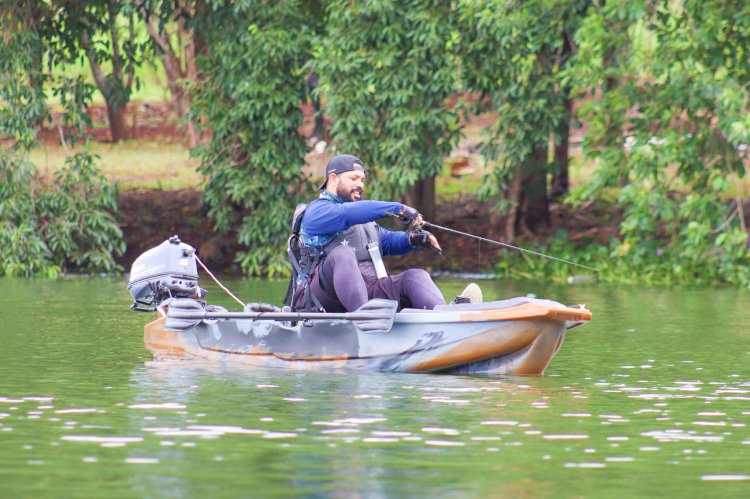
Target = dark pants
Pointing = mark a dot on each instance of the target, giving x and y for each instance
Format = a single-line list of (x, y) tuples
[(342, 284)]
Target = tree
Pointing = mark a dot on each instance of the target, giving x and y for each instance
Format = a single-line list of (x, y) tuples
[(512, 58), (103, 30), (682, 74), (387, 70), (47, 226), (174, 43), (250, 94)]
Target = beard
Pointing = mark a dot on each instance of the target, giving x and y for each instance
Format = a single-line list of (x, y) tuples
[(348, 195)]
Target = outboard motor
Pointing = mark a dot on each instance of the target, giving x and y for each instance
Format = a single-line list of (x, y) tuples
[(167, 271)]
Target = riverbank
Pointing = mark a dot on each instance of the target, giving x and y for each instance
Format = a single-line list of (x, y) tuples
[(159, 195), (149, 216)]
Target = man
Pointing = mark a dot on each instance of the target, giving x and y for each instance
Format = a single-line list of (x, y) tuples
[(341, 247)]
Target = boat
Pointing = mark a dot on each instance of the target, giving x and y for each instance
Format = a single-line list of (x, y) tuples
[(518, 336)]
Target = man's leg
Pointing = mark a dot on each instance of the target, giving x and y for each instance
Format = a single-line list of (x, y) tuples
[(411, 288), (339, 284)]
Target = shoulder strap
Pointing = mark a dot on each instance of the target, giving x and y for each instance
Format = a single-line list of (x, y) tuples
[(299, 212)]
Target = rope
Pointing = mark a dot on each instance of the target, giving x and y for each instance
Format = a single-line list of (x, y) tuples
[(217, 282)]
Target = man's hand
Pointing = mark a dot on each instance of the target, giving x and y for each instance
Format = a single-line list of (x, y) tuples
[(420, 238), (411, 217)]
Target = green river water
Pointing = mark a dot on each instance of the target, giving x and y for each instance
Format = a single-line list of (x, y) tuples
[(652, 398)]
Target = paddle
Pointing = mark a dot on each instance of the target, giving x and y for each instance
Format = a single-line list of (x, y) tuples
[(375, 316)]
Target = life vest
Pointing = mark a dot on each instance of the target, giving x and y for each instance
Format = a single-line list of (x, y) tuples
[(364, 239)]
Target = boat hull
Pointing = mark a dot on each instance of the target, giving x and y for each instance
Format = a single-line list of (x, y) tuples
[(506, 341)]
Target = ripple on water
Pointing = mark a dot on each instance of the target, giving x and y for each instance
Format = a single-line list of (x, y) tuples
[(166, 405), (76, 410), (565, 437), (349, 422), (444, 443), (443, 431), (679, 435), (141, 460), (380, 440), (499, 423), (100, 439), (272, 435)]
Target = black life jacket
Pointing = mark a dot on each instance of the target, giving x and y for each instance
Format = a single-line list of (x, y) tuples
[(361, 238)]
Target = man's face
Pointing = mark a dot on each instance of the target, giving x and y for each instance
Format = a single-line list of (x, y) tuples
[(349, 185)]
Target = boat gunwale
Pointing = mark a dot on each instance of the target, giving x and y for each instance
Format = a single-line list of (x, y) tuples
[(525, 311)]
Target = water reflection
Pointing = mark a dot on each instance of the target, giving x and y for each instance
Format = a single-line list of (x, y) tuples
[(651, 396), (324, 421)]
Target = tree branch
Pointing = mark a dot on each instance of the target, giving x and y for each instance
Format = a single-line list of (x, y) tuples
[(131, 27), (96, 68), (116, 56)]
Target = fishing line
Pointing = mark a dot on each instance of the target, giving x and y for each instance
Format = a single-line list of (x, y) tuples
[(479, 251), (498, 243), (450, 267)]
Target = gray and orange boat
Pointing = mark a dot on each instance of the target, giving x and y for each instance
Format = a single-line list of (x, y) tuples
[(515, 337)]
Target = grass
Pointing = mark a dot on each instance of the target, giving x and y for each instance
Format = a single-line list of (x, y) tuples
[(134, 164), (161, 163)]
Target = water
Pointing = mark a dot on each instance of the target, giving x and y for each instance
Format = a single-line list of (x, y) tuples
[(650, 399)]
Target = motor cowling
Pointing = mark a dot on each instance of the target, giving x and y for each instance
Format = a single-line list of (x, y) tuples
[(166, 271)]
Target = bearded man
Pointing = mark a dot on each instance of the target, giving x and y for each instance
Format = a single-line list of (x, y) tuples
[(342, 248)]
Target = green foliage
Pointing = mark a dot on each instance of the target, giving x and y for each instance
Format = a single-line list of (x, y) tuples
[(623, 263), (680, 72), (74, 217), (663, 88), (102, 31), (513, 56), (253, 87), (45, 228), (387, 70)]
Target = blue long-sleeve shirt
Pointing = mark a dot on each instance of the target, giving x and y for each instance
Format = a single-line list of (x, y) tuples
[(326, 217)]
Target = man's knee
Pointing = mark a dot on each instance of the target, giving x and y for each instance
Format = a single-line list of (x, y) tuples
[(342, 255), (417, 275)]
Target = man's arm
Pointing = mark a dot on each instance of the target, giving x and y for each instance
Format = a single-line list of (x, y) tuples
[(402, 242), (324, 217), (395, 243)]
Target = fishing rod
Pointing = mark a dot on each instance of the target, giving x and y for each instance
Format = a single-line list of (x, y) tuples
[(498, 243)]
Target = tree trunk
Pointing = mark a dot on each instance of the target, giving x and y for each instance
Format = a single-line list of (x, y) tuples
[(514, 196), (528, 196), (560, 180), (534, 189), (115, 110), (421, 196), (178, 66), (312, 85), (191, 73), (197, 48), (117, 127)]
